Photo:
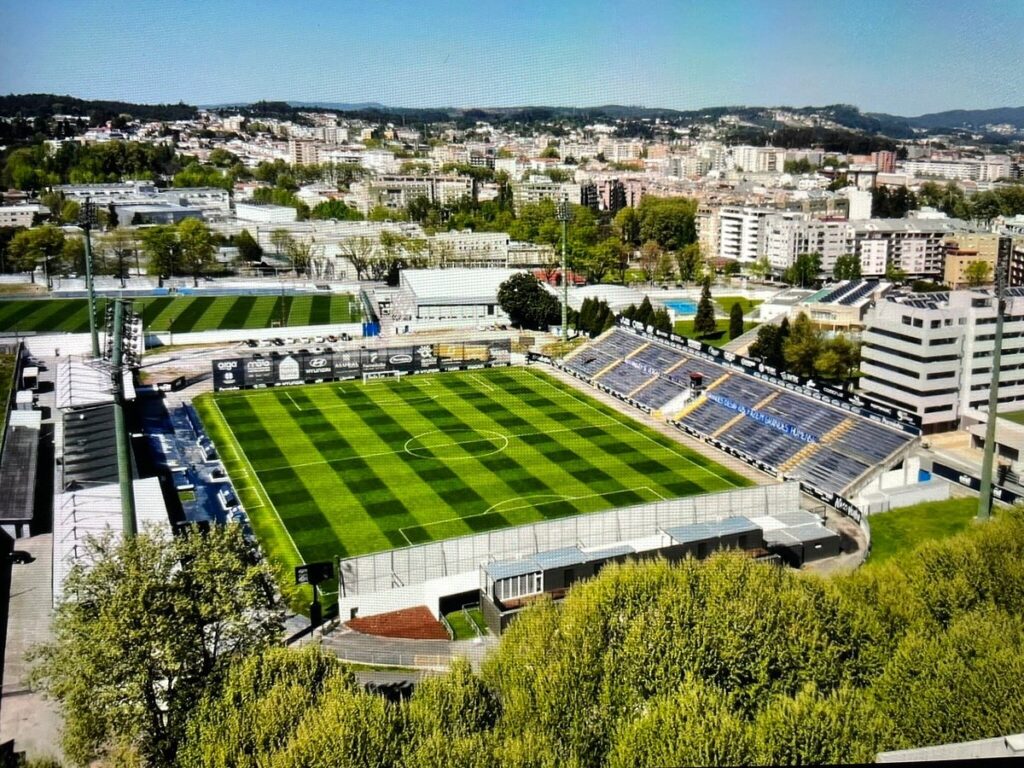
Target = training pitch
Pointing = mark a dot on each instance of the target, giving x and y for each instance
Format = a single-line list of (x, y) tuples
[(351, 468), (184, 314)]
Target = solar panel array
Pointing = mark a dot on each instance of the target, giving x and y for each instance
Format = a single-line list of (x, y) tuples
[(654, 374)]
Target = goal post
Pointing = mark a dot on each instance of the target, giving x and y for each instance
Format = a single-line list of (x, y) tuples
[(371, 375)]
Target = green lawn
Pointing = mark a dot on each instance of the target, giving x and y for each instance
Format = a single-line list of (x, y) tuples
[(685, 328), (463, 626), (185, 313), (902, 529), (348, 468), (725, 303), (6, 381), (1016, 418)]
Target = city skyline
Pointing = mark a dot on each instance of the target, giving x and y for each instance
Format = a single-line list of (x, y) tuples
[(907, 59)]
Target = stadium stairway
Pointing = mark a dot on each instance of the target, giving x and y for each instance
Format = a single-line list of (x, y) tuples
[(838, 431), (767, 400), (690, 406), (605, 370), (717, 382), (637, 351), (728, 425), (637, 389), (672, 367), (799, 457)]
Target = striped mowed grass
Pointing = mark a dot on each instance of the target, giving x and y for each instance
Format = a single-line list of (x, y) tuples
[(350, 468), (185, 313)]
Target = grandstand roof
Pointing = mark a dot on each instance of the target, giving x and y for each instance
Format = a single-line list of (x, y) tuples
[(79, 384), (89, 445), (456, 286), (18, 467), (93, 511)]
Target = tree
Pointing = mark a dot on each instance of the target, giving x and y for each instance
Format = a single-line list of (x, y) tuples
[(72, 257), (41, 245), (248, 249), (689, 261), (626, 225), (603, 258), (645, 312), (664, 270), (122, 244), (704, 322), (767, 347), (978, 273), (804, 271), (162, 250), (145, 629), (894, 274), (735, 320), (300, 252), (650, 255), (662, 321), (887, 203), (281, 239), (196, 246), (838, 359), (668, 221), (802, 348), (264, 696), (760, 269), (359, 251), (847, 267), (336, 210), (527, 303)]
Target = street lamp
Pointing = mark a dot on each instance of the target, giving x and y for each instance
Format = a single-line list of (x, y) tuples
[(86, 219), (563, 213)]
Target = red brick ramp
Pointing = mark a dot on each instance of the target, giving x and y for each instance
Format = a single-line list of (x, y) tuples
[(410, 623)]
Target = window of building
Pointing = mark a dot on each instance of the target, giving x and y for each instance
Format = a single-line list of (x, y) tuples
[(519, 586)]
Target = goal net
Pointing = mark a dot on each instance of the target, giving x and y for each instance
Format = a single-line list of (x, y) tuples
[(371, 375)]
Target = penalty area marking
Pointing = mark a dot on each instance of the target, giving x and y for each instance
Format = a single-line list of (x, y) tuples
[(554, 498)]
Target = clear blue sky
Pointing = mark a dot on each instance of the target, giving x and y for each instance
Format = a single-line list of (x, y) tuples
[(900, 56)]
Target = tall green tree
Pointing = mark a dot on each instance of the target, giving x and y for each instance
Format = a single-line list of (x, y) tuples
[(163, 251), (645, 312), (689, 261), (30, 248), (978, 273), (704, 322), (195, 242), (767, 347), (847, 267), (527, 303), (248, 249), (735, 320), (803, 346), (123, 245), (142, 632), (804, 271)]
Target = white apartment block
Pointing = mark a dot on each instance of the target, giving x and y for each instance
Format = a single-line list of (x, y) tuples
[(860, 203), (527, 192), (788, 235), (916, 246), (470, 249), (741, 232), (20, 215), (758, 159), (990, 168), (931, 354), (102, 194), (303, 152), (616, 151), (396, 192)]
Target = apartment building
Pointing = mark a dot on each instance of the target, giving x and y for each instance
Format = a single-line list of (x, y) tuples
[(915, 245), (788, 235), (931, 354), (466, 248), (20, 215), (535, 190), (758, 159), (396, 192), (741, 232), (965, 248)]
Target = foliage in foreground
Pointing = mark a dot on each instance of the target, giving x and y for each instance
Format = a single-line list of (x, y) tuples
[(145, 631), (725, 661)]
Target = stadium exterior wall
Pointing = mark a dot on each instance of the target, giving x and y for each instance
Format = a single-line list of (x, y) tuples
[(388, 580)]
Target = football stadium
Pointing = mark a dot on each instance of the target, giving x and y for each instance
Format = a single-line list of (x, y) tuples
[(495, 483)]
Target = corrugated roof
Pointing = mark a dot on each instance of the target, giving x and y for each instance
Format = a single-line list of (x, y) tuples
[(506, 569), (560, 558), (456, 286)]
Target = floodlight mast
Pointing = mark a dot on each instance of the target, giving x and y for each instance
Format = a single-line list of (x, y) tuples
[(124, 461), (87, 218), (985, 492), (564, 214)]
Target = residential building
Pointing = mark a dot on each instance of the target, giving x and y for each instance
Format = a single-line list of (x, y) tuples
[(860, 203), (965, 248), (931, 354), (466, 248), (885, 161), (303, 152), (741, 232), (538, 189), (20, 215), (759, 159), (787, 235), (396, 192), (914, 245)]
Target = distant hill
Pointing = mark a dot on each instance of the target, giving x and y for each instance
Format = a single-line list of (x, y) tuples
[(47, 104), (970, 118)]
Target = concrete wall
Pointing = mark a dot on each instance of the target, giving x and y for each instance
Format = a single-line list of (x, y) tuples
[(165, 338)]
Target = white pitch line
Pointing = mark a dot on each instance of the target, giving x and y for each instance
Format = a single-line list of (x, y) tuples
[(483, 383), (402, 450), (567, 393), (289, 396), (663, 498), (240, 456)]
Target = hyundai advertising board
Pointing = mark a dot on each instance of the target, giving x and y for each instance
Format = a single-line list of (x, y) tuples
[(318, 367), (228, 374)]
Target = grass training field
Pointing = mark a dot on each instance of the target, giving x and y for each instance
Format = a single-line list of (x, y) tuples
[(685, 328), (901, 530), (350, 468), (185, 313)]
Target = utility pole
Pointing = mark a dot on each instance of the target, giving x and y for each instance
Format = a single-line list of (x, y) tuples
[(564, 214), (985, 493), (86, 219), (124, 461)]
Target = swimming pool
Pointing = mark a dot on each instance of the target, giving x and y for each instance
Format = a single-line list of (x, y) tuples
[(681, 306)]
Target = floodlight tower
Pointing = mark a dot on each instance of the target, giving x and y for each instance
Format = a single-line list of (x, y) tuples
[(124, 460), (564, 214), (985, 493), (86, 219)]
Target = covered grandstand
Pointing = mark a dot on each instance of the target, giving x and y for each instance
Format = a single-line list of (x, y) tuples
[(830, 445)]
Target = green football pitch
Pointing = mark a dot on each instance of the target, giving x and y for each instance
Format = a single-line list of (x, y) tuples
[(351, 468), (185, 313)]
